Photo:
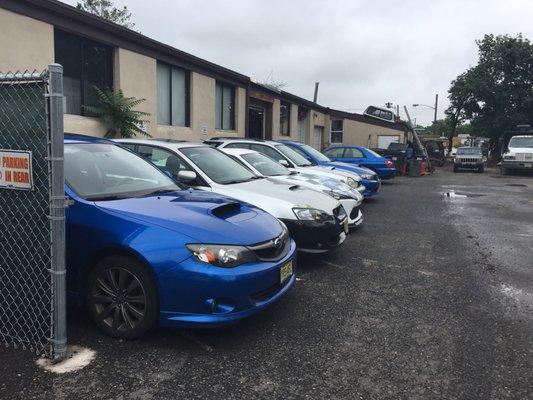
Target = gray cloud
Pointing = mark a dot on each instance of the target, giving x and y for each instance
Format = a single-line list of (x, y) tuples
[(362, 52)]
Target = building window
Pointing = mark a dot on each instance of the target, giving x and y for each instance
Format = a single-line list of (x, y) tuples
[(172, 95), (337, 128), (225, 107), (285, 119), (86, 64)]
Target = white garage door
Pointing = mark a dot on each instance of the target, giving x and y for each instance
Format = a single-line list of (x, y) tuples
[(384, 141)]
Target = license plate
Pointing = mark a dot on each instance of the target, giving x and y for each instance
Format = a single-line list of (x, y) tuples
[(528, 165), (285, 271)]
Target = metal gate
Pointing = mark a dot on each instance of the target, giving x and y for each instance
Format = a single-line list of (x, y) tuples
[(32, 215)]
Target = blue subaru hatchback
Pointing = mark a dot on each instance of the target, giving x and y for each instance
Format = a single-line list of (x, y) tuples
[(143, 251), (369, 178), (362, 156)]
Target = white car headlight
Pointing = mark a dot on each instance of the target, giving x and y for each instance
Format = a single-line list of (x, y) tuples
[(222, 255), (311, 214), (352, 182), (332, 193)]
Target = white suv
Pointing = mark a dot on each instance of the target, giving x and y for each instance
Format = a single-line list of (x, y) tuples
[(316, 221), (519, 155)]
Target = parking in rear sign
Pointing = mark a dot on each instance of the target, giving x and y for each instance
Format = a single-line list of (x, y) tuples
[(16, 170)]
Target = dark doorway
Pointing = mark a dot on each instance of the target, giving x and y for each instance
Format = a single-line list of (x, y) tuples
[(256, 121)]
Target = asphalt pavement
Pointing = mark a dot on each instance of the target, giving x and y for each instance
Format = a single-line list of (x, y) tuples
[(432, 298)]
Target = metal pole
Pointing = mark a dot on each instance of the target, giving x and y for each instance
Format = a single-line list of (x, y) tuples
[(57, 211), (436, 105), (315, 97), (417, 139)]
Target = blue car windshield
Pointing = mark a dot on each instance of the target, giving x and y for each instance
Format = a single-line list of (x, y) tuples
[(373, 153), (317, 155), (101, 171), (218, 166)]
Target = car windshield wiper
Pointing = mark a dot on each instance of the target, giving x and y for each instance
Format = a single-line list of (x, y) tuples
[(105, 197), (160, 191)]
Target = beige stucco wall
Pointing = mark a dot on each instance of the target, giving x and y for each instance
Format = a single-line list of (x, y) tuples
[(362, 134), (135, 74), (25, 43)]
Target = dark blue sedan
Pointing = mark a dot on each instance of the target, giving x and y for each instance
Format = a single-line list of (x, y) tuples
[(369, 178), (143, 251), (362, 156)]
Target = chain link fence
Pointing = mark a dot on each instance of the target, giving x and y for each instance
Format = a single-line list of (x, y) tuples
[(32, 233)]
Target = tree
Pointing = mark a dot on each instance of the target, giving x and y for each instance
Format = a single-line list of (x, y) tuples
[(105, 9), (117, 112), (496, 94)]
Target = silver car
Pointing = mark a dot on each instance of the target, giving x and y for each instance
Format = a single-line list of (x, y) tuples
[(262, 165)]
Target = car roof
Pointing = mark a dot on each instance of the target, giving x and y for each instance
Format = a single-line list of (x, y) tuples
[(222, 139), (522, 136), (237, 151), (76, 138), (166, 143)]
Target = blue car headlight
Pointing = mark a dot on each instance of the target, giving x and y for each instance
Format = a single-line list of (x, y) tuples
[(226, 256), (311, 214), (367, 176)]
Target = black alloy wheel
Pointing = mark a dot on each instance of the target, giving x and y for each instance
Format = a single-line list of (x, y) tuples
[(121, 298)]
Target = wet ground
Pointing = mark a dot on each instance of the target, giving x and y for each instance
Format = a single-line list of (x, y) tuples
[(431, 299)]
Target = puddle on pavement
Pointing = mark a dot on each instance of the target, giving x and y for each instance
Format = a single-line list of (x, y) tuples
[(454, 194)]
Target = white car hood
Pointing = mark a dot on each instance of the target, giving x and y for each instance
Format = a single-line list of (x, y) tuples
[(276, 197), (520, 150), (328, 172)]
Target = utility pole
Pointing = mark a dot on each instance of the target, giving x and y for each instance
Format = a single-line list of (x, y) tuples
[(436, 105), (315, 97)]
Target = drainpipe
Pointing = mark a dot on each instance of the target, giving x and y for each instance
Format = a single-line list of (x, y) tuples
[(247, 107)]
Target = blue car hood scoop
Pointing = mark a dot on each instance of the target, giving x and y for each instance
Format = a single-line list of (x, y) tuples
[(203, 216)]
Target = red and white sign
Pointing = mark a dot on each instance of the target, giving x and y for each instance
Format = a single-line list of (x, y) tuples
[(16, 170)]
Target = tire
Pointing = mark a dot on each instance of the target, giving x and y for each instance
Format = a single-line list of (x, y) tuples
[(481, 169), (455, 168), (121, 297), (504, 171)]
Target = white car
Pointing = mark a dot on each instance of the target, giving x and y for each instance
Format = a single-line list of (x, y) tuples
[(289, 158), (316, 221), (262, 165)]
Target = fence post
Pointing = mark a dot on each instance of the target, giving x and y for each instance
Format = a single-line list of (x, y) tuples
[(57, 211)]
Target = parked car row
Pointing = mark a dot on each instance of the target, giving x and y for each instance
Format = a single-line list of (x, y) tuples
[(173, 233)]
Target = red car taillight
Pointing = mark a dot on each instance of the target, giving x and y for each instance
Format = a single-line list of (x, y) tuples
[(389, 164)]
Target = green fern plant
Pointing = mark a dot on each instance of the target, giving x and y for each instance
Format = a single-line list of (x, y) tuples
[(117, 112)]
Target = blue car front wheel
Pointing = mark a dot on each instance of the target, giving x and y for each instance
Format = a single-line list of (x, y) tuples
[(121, 297)]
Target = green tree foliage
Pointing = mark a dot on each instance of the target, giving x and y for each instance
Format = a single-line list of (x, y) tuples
[(496, 94), (117, 112), (445, 128), (105, 9)]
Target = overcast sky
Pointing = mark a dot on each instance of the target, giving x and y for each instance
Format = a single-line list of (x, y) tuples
[(361, 52)]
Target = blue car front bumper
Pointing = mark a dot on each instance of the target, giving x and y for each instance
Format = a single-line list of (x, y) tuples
[(386, 173), (371, 187), (209, 296)]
